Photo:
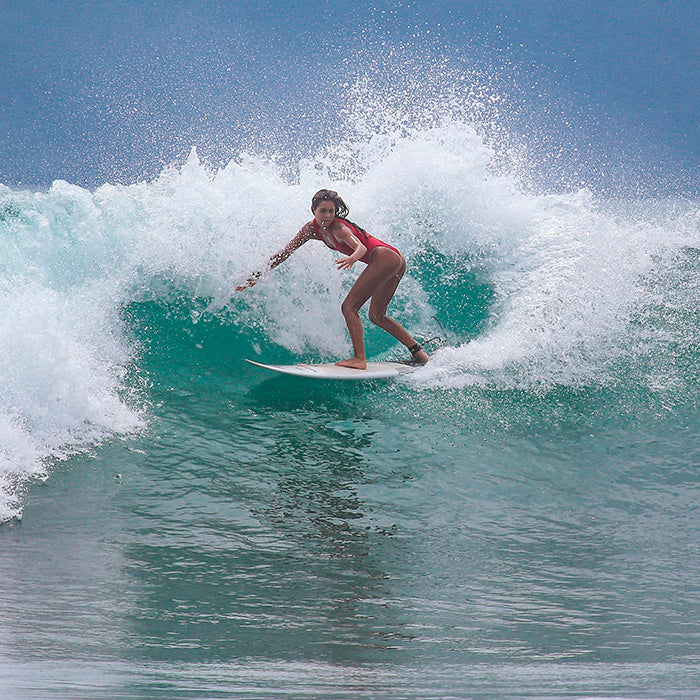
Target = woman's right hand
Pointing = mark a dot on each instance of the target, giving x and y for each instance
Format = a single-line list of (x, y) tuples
[(249, 282)]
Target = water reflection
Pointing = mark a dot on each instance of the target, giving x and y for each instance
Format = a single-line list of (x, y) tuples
[(256, 542)]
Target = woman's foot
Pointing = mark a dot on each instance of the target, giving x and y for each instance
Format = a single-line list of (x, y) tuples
[(418, 354), (353, 362), (421, 357)]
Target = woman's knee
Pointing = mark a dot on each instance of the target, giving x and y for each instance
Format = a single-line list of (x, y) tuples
[(377, 316), (348, 308)]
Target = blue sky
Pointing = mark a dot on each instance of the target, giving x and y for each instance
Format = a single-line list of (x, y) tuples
[(94, 92)]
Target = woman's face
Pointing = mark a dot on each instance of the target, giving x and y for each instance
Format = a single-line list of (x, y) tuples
[(325, 213)]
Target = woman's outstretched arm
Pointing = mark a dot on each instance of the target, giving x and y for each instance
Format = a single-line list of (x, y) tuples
[(306, 233)]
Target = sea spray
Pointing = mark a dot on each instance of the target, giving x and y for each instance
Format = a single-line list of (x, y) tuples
[(571, 284)]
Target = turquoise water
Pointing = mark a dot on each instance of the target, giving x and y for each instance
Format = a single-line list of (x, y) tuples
[(517, 519)]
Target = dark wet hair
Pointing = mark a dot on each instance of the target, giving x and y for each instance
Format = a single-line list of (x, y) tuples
[(341, 209)]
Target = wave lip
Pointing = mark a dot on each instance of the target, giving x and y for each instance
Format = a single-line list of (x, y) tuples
[(63, 353)]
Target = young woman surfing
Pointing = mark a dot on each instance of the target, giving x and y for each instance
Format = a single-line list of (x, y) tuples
[(378, 281)]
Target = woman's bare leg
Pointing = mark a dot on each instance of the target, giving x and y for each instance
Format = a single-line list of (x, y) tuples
[(379, 281), (377, 314)]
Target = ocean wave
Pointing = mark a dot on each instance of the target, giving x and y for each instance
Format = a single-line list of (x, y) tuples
[(530, 290)]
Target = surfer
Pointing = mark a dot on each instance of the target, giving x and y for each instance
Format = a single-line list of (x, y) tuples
[(378, 281)]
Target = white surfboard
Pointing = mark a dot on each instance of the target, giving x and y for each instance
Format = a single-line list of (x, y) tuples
[(329, 370)]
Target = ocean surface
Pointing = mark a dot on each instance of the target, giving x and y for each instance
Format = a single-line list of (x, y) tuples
[(517, 519)]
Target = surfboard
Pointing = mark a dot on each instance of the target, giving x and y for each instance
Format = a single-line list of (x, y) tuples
[(328, 370)]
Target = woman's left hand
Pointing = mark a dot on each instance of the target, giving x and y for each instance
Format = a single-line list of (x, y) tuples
[(345, 263)]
